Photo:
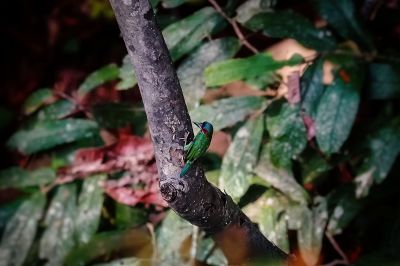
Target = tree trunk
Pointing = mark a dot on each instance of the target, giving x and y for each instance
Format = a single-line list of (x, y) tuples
[(192, 197)]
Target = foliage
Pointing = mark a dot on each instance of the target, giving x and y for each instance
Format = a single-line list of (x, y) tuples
[(86, 165)]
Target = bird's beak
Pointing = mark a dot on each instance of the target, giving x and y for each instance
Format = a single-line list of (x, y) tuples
[(197, 124)]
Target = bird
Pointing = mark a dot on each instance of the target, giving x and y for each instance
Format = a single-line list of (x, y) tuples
[(196, 148)]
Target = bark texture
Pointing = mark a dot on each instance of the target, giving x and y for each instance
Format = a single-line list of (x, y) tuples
[(192, 196)]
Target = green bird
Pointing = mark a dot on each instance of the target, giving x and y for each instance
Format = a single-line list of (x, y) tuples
[(195, 149)]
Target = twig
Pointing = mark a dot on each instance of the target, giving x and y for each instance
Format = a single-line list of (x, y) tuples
[(235, 27), (336, 246)]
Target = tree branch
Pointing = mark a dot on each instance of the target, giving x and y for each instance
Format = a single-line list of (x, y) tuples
[(192, 196)]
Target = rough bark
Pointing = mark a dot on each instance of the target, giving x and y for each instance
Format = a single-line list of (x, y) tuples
[(192, 196)]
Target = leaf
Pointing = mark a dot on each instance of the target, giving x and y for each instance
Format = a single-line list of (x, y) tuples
[(207, 246), (183, 36), (127, 216), (173, 3), (252, 7), (280, 178), (384, 145), (169, 243), (58, 237), (336, 113), (312, 87), (241, 157), (224, 72), (119, 115), (133, 242), (346, 207), (20, 231), (312, 230), (49, 134), (190, 72), (227, 112), (98, 77), (287, 24), (341, 16), (269, 213), (313, 166), (16, 177), (384, 81), (36, 100), (126, 261), (7, 210), (126, 74), (89, 208), (55, 111), (287, 132)]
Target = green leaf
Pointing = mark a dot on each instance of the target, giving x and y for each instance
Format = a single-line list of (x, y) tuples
[(312, 87), (36, 100), (190, 72), (345, 209), (227, 112), (287, 24), (7, 210), (268, 212), (169, 243), (384, 145), (252, 7), (184, 35), (54, 111), (20, 231), (224, 72), (98, 77), (280, 178), (89, 208), (287, 132), (126, 74), (48, 134), (340, 14), (17, 177), (311, 232), (173, 3), (133, 242), (58, 237), (118, 115), (240, 158), (127, 216), (207, 246), (336, 113), (384, 81), (313, 166)]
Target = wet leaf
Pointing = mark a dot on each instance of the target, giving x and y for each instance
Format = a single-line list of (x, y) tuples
[(169, 243), (341, 15), (346, 207), (384, 81), (58, 237), (312, 230), (127, 75), (98, 77), (18, 178), (241, 157), (227, 71), (312, 87), (287, 24), (269, 213), (280, 178), (336, 113), (227, 112), (20, 231), (48, 134), (287, 132), (190, 72), (186, 34), (89, 208), (36, 100), (124, 243)]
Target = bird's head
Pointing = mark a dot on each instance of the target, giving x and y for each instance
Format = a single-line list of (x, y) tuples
[(205, 127)]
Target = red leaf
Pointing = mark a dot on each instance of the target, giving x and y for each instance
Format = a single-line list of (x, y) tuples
[(310, 126)]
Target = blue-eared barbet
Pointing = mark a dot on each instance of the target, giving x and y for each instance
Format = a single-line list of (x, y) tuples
[(195, 149)]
